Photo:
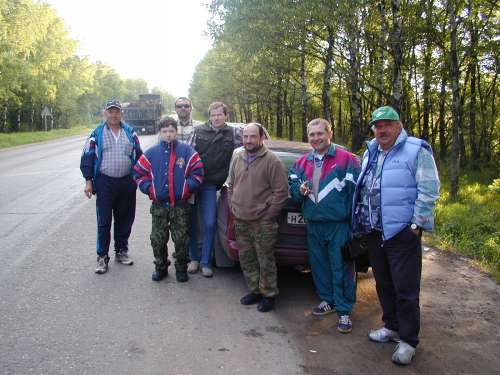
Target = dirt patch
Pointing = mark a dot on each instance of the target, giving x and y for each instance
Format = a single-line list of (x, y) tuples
[(460, 308)]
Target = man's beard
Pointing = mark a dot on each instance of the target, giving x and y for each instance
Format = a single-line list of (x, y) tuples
[(255, 149)]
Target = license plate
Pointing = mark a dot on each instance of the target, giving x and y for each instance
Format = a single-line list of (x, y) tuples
[(295, 218)]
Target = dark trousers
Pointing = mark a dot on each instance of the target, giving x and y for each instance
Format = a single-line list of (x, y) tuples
[(397, 267), (115, 198)]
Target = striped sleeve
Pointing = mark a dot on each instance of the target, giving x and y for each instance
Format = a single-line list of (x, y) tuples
[(89, 155), (143, 175), (193, 175), (428, 185)]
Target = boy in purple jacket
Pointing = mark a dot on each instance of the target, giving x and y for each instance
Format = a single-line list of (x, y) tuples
[(169, 173)]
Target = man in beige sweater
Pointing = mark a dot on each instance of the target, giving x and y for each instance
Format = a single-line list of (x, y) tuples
[(258, 190)]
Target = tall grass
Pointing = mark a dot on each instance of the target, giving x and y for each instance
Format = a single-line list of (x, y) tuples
[(22, 138), (471, 225)]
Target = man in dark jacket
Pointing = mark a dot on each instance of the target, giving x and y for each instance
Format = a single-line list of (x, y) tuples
[(169, 173), (215, 142)]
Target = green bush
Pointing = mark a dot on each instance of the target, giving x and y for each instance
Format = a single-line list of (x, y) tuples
[(471, 225)]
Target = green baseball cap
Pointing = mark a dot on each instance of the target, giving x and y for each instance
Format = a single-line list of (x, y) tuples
[(384, 113)]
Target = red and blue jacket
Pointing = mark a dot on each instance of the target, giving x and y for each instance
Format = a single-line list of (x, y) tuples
[(339, 173), (169, 172), (90, 162)]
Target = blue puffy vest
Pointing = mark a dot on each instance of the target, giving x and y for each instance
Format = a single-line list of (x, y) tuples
[(398, 185)]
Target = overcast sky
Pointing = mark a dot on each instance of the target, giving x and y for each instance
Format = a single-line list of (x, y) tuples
[(159, 41)]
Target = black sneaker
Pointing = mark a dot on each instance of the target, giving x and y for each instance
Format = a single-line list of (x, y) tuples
[(102, 264), (159, 275), (322, 309), (250, 299), (266, 304), (181, 276)]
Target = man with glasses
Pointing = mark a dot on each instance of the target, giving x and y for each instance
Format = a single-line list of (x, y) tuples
[(183, 108), (214, 141), (393, 203), (110, 152)]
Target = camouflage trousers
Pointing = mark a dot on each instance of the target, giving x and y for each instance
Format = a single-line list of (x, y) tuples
[(176, 221), (256, 241)]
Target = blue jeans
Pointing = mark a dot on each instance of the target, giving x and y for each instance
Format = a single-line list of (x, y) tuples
[(206, 202)]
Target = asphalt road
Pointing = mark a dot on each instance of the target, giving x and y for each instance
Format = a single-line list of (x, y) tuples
[(58, 317)]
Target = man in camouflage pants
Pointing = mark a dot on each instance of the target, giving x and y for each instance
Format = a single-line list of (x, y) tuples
[(258, 190)]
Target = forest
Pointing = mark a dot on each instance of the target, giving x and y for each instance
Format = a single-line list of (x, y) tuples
[(283, 63), (39, 67)]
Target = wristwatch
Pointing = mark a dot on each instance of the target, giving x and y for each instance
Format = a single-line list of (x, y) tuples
[(414, 226)]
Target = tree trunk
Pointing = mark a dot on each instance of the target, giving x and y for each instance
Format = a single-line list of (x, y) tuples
[(327, 76), (381, 63), (290, 106), (4, 119), (258, 109), (279, 106), (357, 134), (303, 96), (427, 70), (18, 120), (456, 123), (397, 54), (473, 99), (442, 121)]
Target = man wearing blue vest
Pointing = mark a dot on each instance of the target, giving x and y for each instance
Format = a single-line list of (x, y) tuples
[(110, 152), (393, 203)]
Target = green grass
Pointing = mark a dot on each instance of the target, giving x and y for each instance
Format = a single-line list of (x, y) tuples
[(23, 138), (471, 225)]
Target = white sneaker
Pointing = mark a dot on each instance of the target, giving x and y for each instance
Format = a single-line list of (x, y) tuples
[(383, 335), (403, 354), (193, 266), (207, 272)]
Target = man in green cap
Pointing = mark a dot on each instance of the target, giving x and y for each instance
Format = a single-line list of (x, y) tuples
[(393, 203)]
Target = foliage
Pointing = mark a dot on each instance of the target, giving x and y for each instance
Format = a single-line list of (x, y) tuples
[(278, 61), (471, 225), (38, 68)]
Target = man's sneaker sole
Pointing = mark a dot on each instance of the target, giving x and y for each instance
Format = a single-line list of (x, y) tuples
[(344, 330)]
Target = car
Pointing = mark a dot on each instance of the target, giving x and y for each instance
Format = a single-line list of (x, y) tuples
[(291, 246)]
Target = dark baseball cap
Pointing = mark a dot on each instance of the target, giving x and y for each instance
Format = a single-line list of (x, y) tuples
[(113, 104)]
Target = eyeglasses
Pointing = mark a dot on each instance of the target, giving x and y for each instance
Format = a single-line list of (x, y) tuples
[(186, 106)]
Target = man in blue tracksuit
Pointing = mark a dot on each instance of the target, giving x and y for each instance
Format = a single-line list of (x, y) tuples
[(109, 154), (393, 203)]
